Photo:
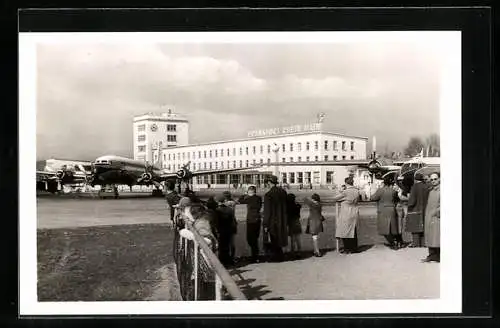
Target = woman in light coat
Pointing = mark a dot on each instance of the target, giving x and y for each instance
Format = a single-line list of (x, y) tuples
[(348, 216), (433, 220)]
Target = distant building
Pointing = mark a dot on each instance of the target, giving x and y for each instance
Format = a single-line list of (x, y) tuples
[(150, 130), (299, 143)]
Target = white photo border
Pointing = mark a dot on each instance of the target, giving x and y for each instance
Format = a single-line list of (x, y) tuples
[(450, 300)]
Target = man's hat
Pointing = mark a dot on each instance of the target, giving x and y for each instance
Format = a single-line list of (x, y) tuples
[(273, 179)]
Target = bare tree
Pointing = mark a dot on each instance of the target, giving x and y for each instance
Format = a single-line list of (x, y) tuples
[(432, 145), (415, 146)]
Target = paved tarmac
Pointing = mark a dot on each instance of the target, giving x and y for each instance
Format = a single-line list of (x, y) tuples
[(376, 273)]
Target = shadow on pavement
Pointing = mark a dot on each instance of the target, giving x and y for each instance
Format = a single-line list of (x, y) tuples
[(254, 292), (364, 248)]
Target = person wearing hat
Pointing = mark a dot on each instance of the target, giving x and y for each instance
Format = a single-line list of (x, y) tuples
[(225, 226), (416, 210), (200, 219), (348, 216), (433, 220), (254, 204), (387, 219), (211, 210), (172, 198), (275, 218)]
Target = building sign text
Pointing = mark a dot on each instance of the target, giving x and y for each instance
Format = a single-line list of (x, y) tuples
[(285, 130)]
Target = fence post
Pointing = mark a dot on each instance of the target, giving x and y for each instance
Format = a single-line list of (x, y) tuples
[(218, 288), (195, 270), (336, 218)]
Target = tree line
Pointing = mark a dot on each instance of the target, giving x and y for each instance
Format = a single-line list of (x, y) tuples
[(429, 144)]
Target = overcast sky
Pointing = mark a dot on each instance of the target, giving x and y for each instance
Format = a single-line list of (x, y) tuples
[(88, 93)]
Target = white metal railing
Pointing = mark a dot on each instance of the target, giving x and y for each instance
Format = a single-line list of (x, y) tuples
[(200, 273)]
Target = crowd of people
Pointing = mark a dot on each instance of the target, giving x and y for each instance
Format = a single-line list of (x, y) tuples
[(417, 213), (278, 215)]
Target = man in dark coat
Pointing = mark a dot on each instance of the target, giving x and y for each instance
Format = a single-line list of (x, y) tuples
[(416, 210), (224, 224), (172, 198), (254, 204), (275, 218)]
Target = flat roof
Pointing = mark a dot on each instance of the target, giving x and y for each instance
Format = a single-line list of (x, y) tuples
[(160, 117), (267, 137)]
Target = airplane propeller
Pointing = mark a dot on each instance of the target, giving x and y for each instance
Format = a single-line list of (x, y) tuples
[(146, 177), (60, 174), (183, 173)]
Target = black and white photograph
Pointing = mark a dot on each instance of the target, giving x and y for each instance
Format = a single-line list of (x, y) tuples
[(311, 169)]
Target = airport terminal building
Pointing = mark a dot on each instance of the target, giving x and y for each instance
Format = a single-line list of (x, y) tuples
[(305, 143)]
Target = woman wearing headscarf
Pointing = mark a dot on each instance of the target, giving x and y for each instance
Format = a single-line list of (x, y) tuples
[(387, 219), (314, 221)]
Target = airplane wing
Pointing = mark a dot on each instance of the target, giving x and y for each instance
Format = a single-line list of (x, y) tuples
[(49, 175), (360, 163), (198, 173), (45, 175)]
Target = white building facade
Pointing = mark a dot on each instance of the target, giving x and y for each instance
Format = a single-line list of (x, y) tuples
[(153, 130), (304, 144)]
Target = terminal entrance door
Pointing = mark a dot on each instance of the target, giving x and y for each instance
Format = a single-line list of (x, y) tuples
[(247, 178), (234, 179), (307, 178), (316, 177)]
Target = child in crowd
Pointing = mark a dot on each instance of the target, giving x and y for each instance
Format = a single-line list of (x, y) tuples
[(314, 221)]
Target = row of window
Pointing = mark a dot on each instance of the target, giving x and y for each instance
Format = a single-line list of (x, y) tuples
[(170, 127), (170, 138), (294, 177), (245, 150), (283, 159), (316, 158), (300, 177), (236, 164), (326, 146), (142, 138)]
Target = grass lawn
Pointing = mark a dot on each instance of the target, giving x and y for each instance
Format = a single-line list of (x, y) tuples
[(107, 263)]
